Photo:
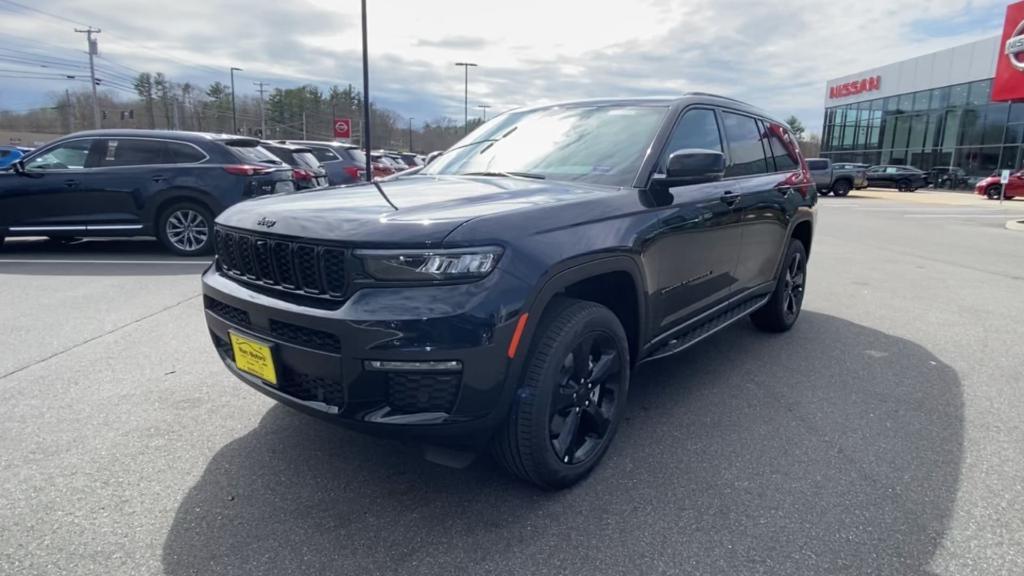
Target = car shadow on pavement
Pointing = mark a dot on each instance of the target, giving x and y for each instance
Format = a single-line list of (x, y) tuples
[(95, 257), (833, 448)]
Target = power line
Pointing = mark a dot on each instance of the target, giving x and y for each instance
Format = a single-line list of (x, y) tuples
[(44, 13)]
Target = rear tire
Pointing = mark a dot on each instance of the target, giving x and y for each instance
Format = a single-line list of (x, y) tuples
[(186, 229), (783, 308), (904, 186), (992, 192), (841, 188), (572, 396)]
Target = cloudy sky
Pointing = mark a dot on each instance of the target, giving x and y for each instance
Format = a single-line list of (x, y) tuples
[(774, 54)]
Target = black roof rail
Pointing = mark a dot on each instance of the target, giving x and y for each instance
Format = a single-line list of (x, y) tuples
[(717, 96)]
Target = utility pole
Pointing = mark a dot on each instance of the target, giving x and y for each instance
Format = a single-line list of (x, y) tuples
[(410, 133), (263, 120), (303, 124), (484, 107), (234, 111), (93, 50), (70, 111), (364, 133), (465, 126)]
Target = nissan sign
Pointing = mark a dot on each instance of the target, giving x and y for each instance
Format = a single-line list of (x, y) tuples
[(856, 87), (1009, 81)]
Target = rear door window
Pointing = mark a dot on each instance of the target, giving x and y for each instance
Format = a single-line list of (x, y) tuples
[(697, 128), (817, 165), (134, 152), (746, 151)]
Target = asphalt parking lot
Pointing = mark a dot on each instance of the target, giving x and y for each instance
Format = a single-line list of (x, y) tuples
[(882, 435)]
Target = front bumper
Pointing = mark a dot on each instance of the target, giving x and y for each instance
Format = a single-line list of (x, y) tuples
[(321, 354)]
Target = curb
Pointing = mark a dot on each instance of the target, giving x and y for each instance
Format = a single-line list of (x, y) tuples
[(1015, 225)]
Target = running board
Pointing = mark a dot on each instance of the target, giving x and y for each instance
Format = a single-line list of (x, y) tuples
[(709, 327)]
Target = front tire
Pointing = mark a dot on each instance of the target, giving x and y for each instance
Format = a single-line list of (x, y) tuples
[(186, 229), (992, 192), (783, 308), (572, 396)]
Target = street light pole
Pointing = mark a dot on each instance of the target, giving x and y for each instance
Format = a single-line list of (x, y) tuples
[(484, 107), (364, 133), (465, 66), (234, 111), (410, 134)]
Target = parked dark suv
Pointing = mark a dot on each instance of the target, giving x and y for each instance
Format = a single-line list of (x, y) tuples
[(500, 297), (135, 183), (344, 163)]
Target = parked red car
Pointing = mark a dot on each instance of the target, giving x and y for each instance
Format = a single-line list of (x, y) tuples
[(990, 186)]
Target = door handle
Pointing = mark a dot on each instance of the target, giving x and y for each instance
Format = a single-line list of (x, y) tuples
[(70, 183), (729, 197)]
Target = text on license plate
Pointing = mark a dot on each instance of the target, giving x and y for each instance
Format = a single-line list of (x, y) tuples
[(254, 358)]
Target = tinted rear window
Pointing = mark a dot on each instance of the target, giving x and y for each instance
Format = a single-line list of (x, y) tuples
[(783, 148), (817, 164), (181, 153), (252, 154), (324, 154), (306, 159), (283, 154), (5, 153), (357, 156)]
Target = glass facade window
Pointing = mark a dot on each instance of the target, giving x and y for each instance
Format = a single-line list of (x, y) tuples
[(952, 126), (922, 100), (979, 93)]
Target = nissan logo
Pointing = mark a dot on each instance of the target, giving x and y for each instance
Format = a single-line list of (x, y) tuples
[(1015, 47), (267, 222)]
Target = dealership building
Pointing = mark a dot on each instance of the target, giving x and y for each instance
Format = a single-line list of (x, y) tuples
[(962, 107)]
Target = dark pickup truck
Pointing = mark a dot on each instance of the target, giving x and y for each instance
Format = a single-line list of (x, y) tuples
[(500, 296), (838, 178)]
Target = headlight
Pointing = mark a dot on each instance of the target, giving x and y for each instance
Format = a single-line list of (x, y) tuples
[(430, 265)]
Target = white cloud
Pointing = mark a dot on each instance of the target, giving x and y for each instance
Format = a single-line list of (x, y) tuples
[(777, 55)]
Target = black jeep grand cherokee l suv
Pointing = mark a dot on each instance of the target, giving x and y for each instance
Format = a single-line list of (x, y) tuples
[(519, 277)]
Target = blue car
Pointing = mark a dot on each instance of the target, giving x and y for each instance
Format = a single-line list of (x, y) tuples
[(11, 154)]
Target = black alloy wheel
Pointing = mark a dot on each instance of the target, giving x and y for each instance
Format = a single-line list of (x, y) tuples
[(841, 188), (903, 185), (993, 192), (782, 310), (585, 400), (572, 396)]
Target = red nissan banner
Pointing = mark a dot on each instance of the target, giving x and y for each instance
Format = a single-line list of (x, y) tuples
[(1009, 81), (342, 127)]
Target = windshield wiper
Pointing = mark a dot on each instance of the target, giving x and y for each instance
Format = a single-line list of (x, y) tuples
[(506, 174)]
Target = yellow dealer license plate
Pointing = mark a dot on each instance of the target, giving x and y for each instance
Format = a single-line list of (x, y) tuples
[(254, 358)]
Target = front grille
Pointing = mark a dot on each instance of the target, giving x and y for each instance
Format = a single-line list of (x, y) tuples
[(422, 392), (236, 316), (297, 267), (308, 337)]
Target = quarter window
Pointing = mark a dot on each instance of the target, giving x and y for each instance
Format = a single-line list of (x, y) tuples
[(696, 129), (746, 152), (782, 147), (324, 154), (181, 153)]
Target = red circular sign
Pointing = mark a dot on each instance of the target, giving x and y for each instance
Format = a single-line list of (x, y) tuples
[(342, 127)]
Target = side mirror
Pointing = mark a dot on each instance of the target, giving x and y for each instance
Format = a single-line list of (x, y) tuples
[(692, 166), (433, 156)]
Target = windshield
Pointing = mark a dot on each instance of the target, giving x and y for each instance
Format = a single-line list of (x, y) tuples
[(595, 144)]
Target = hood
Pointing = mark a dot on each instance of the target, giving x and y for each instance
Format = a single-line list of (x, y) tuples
[(429, 208)]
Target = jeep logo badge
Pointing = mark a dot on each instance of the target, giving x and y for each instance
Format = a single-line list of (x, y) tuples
[(267, 222), (1015, 47)]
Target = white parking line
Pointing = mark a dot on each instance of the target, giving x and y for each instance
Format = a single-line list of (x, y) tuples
[(44, 261), (1006, 216)]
